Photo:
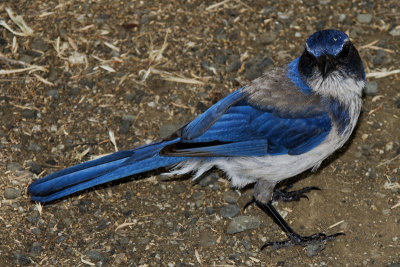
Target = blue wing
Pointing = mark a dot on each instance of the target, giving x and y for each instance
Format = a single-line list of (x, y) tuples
[(234, 127)]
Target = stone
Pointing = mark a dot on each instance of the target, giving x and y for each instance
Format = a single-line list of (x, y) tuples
[(243, 223), (11, 193)]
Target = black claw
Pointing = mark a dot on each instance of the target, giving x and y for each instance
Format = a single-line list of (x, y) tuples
[(287, 196), (249, 203), (295, 239)]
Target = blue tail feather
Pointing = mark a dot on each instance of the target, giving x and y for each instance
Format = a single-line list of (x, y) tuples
[(109, 168)]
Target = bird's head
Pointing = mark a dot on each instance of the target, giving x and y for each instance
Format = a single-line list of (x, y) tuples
[(329, 57)]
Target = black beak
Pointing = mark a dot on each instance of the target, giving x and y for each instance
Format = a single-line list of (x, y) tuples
[(326, 65)]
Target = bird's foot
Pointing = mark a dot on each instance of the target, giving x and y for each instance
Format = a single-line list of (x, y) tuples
[(296, 239), (287, 196), (293, 237)]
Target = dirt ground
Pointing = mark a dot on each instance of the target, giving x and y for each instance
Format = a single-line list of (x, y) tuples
[(143, 68)]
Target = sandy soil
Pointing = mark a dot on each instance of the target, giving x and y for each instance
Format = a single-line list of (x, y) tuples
[(143, 68)]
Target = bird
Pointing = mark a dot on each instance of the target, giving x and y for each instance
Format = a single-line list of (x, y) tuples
[(279, 125)]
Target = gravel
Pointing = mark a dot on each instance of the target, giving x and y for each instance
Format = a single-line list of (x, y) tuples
[(92, 100), (21, 258)]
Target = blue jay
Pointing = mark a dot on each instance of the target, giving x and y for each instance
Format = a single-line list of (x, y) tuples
[(285, 122)]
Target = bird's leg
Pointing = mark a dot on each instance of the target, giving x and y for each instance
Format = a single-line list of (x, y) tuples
[(287, 196), (262, 197), (293, 237)]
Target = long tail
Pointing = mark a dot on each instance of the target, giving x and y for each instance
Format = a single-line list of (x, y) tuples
[(112, 167)]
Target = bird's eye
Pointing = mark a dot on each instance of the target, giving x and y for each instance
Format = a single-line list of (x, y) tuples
[(308, 57), (345, 51), (307, 63)]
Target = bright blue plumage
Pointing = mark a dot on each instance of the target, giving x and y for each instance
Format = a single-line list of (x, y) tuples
[(99, 171), (327, 42)]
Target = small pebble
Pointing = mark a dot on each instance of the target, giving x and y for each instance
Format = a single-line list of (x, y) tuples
[(34, 167), (28, 113), (386, 212), (178, 189), (14, 166), (314, 249), (395, 32), (364, 18), (207, 239), (102, 224), (60, 239), (36, 248), (120, 259), (40, 44), (208, 179), (124, 240), (234, 66), (371, 89), (220, 59), (380, 58), (26, 58), (94, 255), (124, 127), (34, 147), (267, 38), (21, 259), (33, 217), (231, 197), (229, 211), (12, 193), (198, 195), (128, 117), (52, 93), (102, 18), (243, 223), (209, 210), (36, 231)]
